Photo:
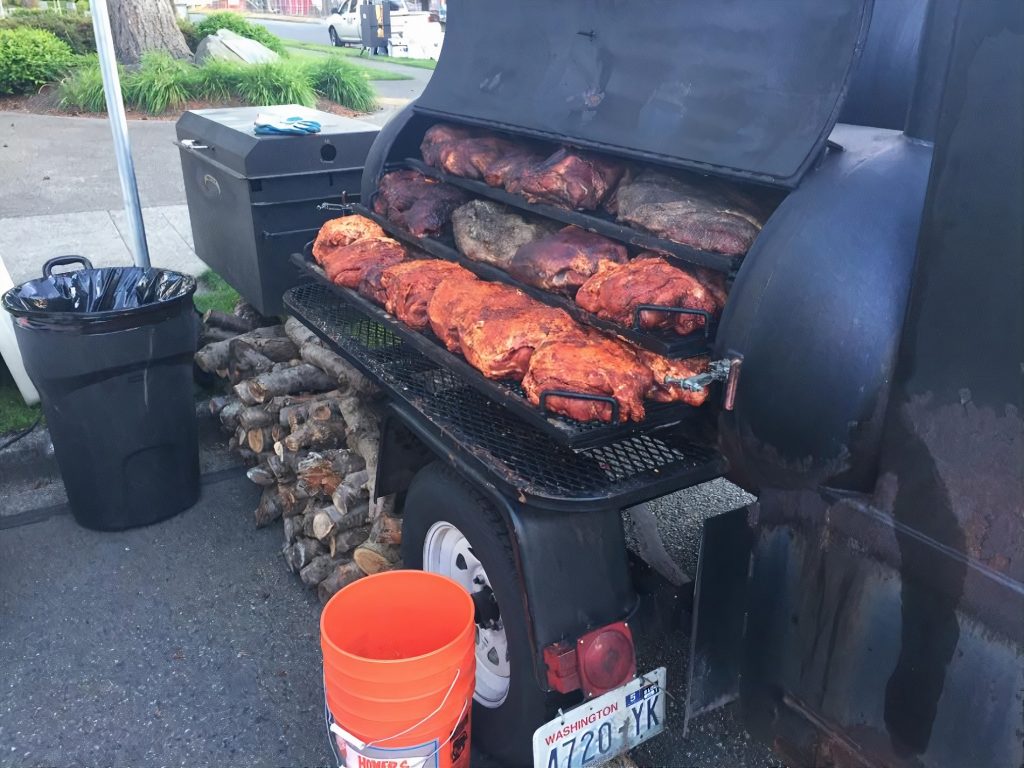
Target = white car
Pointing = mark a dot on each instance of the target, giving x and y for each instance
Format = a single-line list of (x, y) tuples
[(413, 32)]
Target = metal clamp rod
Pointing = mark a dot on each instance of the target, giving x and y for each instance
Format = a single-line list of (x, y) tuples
[(727, 370), (192, 144)]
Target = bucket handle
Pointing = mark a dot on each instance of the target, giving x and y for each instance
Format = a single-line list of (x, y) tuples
[(60, 261), (360, 744)]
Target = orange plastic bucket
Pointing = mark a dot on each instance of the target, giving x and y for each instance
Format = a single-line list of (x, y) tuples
[(399, 671)]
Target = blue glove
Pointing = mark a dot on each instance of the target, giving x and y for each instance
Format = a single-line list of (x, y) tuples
[(295, 126)]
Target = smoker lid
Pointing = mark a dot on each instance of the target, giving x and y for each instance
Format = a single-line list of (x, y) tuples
[(743, 88), (231, 143)]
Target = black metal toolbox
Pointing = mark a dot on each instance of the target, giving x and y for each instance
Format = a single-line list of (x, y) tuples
[(253, 199)]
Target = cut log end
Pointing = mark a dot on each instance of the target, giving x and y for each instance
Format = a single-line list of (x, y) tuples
[(372, 557)]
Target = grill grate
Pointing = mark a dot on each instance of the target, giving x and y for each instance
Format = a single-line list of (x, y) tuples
[(526, 462)]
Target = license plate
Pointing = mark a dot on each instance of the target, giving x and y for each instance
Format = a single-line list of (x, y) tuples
[(604, 727)]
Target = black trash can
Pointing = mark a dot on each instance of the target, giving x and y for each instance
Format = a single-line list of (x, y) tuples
[(110, 351)]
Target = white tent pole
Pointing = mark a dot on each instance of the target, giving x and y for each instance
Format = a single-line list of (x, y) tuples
[(119, 127)]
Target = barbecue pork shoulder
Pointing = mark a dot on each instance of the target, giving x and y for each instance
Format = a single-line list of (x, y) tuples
[(347, 265), (408, 287), (570, 179), (563, 261), (492, 233), (417, 203)]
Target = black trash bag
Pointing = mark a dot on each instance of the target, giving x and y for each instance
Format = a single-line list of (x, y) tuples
[(95, 294)]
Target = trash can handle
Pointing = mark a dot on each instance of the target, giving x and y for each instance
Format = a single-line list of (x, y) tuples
[(59, 261)]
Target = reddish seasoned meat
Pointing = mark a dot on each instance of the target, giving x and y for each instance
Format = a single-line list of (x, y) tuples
[(699, 214), (617, 290), (346, 266), (370, 285), (714, 282), (492, 233), (500, 342), (470, 158), (662, 367), (562, 262), (511, 165), (570, 179), (593, 365), (408, 288), (337, 233), (459, 297), (417, 203), (437, 137)]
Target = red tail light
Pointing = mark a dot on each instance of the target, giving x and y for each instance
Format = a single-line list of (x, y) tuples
[(600, 661)]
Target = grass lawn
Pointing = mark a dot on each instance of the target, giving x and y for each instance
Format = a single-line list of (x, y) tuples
[(371, 72), (214, 293), (14, 414), (347, 51)]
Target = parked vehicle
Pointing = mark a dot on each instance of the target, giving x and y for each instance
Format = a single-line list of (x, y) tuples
[(413, 29)]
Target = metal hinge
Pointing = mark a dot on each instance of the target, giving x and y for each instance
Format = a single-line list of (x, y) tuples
[(727, 370), (344, 206)]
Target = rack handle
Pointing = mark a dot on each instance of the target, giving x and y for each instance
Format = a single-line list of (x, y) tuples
[(548, 393)]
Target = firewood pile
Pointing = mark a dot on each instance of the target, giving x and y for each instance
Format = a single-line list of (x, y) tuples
[(303, 420)]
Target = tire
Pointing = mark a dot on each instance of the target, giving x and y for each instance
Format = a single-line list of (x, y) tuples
[(333, 34), (438, 497)]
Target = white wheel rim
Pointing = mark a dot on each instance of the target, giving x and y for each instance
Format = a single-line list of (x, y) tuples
[(447, 552)]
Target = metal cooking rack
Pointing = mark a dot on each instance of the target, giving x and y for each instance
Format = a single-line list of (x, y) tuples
[(599, 222), (663, 341), (509, 394), (524, 462)]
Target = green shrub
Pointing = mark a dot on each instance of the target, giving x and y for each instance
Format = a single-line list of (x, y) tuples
[(336, 79), (31, 57), (160, 83), (217, 80), (188, 31), (82, 90), (74, 30), (240, 26), (275, 82)]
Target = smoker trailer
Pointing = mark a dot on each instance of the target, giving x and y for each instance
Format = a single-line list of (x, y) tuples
[(868, 609)]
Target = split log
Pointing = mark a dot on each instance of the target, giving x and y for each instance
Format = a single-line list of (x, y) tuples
[(301, 377), (343, 542), (230, 413), (292, 529), (269, 508), (294, 414), (214, 357), (329, 520), (217, 319), (259, 439), (292, 499), (254, 417), (307, 524), (213, 335), (301, 553), (318, 569), (372, 557), (218, 402), (315, 434), (299, 333), (281, 467), (340, 577), (351, 491), (261, 475), (324, 472), (244, 361), (247, 311), (386, 530)]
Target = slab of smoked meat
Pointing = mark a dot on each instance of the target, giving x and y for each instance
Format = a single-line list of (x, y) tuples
[(370, 285), (593, 365), (663, 367), (701, 215), (409, 286), (470, 158), (616, 291), (492, 233), (570, 179), (346, 266), (417, 203), (458, 297), (437, 137), (337, 233), (511, 165), (500, 342), (562, 262)]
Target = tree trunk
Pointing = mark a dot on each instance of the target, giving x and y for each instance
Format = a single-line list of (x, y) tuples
[(145, 25)]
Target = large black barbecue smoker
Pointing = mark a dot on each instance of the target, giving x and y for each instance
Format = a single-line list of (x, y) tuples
[(866, 380)]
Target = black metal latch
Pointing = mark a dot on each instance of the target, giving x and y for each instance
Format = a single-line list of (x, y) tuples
[(727, 370), (343, 207)]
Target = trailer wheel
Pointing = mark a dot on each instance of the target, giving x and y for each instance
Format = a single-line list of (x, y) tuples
[(451, 529)]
